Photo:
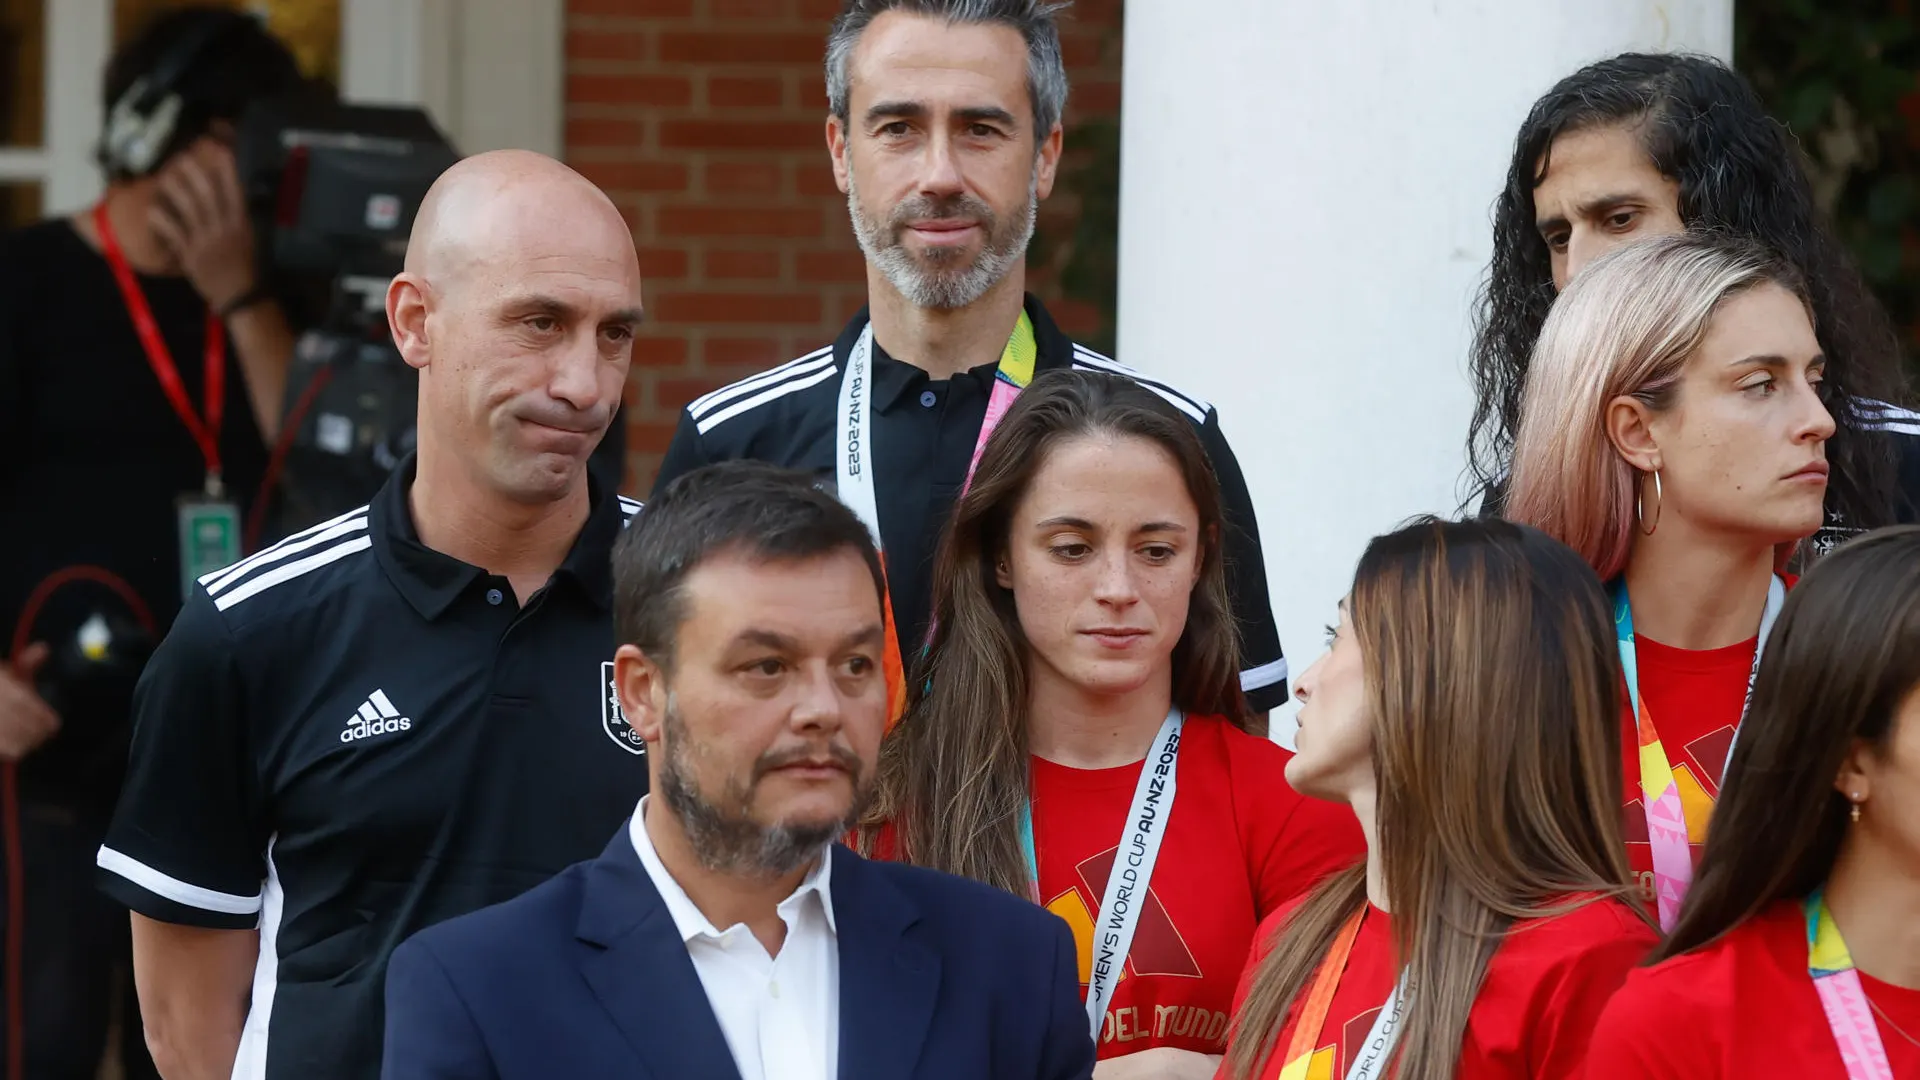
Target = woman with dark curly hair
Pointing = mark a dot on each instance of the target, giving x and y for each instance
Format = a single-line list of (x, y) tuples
[(1641, 145)]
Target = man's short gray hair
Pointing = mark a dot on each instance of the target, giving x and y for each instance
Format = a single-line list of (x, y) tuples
[(1046, 73)]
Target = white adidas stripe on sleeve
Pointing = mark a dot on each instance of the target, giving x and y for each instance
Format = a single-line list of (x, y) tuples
[(1881, 416), (172, 888), (793, 369), (261, 583), (227, 578), (1259, 678), (1088, 360), (271, 548), (1884, 410), (765, 396), (1170, 397)]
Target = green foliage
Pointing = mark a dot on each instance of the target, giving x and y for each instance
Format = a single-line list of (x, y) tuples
[(1844, 75), (1088, 256)]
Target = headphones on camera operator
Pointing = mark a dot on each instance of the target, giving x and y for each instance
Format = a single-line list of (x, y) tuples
[(143, 121)]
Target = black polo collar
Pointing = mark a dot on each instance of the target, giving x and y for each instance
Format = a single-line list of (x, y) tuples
[(893, 378), (431, 580)]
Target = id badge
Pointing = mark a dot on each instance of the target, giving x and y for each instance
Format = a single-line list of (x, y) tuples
[(209, 538)]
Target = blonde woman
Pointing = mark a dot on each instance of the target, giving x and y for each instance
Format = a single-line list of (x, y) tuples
[(1673, 432), (1465, 712)]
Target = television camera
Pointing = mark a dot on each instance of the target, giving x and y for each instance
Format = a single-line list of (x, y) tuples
[(333, 190)]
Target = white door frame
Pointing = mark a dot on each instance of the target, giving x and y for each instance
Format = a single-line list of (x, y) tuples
[(79, 37), (489, 72)]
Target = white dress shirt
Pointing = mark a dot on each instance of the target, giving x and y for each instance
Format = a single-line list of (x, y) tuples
[(780, 1014)]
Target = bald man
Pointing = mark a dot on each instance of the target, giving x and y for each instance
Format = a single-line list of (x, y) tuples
[(405, 713)]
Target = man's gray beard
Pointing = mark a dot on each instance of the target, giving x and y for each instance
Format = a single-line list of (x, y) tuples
[(937, 288), (728, 843)]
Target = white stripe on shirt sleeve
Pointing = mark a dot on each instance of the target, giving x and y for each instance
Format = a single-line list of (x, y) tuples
[(1259, 678), (173, 888)]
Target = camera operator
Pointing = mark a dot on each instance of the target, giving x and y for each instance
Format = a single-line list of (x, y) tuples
[(142, 367)]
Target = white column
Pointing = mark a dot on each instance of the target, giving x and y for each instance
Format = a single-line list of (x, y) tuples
[(489, 72), (513, 75), (79, 35), (398, 52), (1306, 190)]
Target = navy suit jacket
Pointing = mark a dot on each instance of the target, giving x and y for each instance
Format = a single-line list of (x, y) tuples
[(586, 976)]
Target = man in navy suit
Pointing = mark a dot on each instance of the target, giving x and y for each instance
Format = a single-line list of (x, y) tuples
[(750, 605)]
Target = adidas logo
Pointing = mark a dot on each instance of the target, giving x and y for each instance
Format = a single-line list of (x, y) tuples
[(376, 716)]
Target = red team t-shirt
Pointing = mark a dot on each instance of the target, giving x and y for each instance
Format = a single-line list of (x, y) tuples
[(1240, 844), (1695, 697), (1743, 1006), (1543, 991)]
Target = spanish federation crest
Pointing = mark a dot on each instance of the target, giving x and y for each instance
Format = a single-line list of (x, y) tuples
[(613, 719)]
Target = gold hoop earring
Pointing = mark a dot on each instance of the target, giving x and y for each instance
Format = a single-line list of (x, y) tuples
[(1639, 507)]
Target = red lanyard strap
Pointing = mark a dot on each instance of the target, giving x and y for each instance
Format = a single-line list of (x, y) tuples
[(205, 432)]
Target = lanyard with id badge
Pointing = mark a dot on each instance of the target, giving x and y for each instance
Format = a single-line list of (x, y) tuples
[(208, 521)]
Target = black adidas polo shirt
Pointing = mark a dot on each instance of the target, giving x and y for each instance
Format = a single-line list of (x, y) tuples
[(925, 430), (349, 737)]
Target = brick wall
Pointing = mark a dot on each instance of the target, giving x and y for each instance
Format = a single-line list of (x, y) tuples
[(704, 119)]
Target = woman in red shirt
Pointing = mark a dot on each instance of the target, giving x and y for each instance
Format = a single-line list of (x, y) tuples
[(1798, 951), (1466, 712), (1077, 732), (1673, 433)]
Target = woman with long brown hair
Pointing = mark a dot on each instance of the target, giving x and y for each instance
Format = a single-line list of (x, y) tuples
[(1673, 432), (1467, 712), (1798, 951), (1077, 732)]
